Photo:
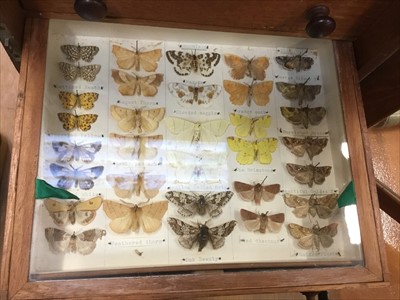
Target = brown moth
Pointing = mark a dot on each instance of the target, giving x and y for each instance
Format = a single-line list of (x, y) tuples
[(240, 93), (262, 222), (241, 67), (81, 212), (298, 146), (189, 95), (63, 242), (73, 72), (321, 206), (310, 238), (303, 115), (256, 192), (201, 234), (136, 147), (130, 84), (77, 52), (295, 62), (298, 91), (309, 174)]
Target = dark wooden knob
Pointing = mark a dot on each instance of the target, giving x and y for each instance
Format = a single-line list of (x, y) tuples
[(320, 24), (91, 10)]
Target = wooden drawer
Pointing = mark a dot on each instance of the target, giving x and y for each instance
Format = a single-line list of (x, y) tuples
[(250, 278)]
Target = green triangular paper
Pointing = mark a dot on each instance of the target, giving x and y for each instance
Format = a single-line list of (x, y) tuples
[(348, 196), (44, 190)]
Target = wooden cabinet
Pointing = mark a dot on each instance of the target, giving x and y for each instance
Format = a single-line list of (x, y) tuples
[(250, 278)]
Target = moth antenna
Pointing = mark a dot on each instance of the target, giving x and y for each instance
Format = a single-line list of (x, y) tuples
[(137, 45), (317, 164), (264, 179), (304, 52), (307, 80)]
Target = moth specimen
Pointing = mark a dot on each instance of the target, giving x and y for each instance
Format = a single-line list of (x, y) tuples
[(246, 126), (85, 100), (138, 120), (67, 152), (136, 59), (240, 93), (262, 222), (75, 53), (125, 217), (295, 62), (186, 63), (250, 151), (132, 84), (83, 122), (68, 177), (196, 132), (256, 192), (298, 91), (73, 72), (188, 95), (65, 212), (298, 146), (190, 204), (125, 185), (309, 174), (201, 234), (62, 242), (321, 206), (303, 115), (310, 238), (136, 147), (242, 66)]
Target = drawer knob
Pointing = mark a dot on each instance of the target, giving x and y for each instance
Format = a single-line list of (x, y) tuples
[(90, 10), (320, 24)]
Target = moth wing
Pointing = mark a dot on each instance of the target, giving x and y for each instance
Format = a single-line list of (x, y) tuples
[(328, 201), (217, 234), (86, 152), (69, 120), (89, 72), (303, 234), (246, 150), (188, 233), (314, 146), (187, 203), (58, 240), (68, 99), (122, 216), (126, 59), (87, 53), (149, 146), (289, 91), (216, 127), (300, 204), (86, 241), (214, 202), (295, 145), (150, 119), (302, 174), (238, 65), (246, 191), (305, 63), (129, 147), (87, 100), (184, 129), (58, 211), (315, 115), (295, 116), (261, 91), (151, 215), (288, 62), (152, 184), (250, 219), (243, 124), (207, 93), (257, 67), (148, 84), (206, 62), (70, 72), (124, 185), (85, 211), (149, 59), (311, 91), (260, 125), (326, 233), (65, 151), (85, 121), (71, 52), (238, 92), (125, 117), (127, 84), (66, 176), (85, 177), (181, 61), (183, 92), (269, 191), (274, 222), (265, 148), (320, 173)]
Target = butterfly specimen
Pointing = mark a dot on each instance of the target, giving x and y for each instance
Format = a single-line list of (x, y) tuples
[(262, 222), (131, 84), (194, 94), (201, 234), (240, 93), (321, 206), (298, 91), (246, 126), (75, 53), (125, 185), (256, 192), (310, 238), (63, 242), (73, 72), (303, 115), (85, 100), (298, 146), (309, 174), (295, 62), (65, 212), (67, 177), (190, 204), (250, 151), (196, 132), (137, 147), (127, 217), (241, 67), (72, 151), (82, 122), (139, 120), (186, 63), (137, 59)]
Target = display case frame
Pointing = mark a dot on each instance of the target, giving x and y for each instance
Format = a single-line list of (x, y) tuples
[(200, 283)]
